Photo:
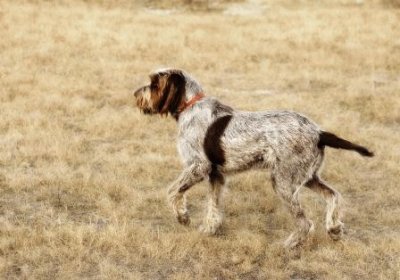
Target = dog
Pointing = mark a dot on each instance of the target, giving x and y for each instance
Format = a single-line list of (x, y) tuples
[(214, 140)]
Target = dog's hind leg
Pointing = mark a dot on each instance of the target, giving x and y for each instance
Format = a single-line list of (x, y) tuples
[(176, 191), (332, 197), (214, 216), (288, 191)]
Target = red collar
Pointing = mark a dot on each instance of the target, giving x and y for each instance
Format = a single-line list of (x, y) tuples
[(187, 104)]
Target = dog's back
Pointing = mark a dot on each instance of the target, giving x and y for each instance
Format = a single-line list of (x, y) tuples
[(266, 139)]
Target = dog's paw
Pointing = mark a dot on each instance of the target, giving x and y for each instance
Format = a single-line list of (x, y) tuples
[(311, 230), (293, 241), (209, 229), (298, 238), (184, 219), (336, 232)]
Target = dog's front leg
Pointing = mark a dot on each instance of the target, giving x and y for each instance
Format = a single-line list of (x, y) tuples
[(214, 217), (191, 175)]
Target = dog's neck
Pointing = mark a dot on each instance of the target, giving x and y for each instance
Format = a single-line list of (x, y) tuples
[(186, 104), (189, 103), (192, 88), (193, 93)]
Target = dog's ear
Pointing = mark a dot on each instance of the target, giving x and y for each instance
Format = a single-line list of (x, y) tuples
[(154, 81), (172, 93)]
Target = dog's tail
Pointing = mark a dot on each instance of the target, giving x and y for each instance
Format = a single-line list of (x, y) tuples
[(331, 140)]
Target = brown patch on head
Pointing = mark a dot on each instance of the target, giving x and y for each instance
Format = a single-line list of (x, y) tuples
[(164, 94), (170, 92)]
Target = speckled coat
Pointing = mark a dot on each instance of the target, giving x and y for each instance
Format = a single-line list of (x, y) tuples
[(215, 140)]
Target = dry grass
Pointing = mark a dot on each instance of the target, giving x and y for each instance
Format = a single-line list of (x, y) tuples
[(83, 174)]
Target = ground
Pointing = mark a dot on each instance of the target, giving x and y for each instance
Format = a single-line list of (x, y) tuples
[(83, 174)]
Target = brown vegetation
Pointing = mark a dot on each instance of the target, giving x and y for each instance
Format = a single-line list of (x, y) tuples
[(83, 175)]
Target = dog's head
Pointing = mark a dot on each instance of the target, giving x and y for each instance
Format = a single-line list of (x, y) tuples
[(164, 94)]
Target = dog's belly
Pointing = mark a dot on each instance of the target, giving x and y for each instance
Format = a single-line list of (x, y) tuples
[(236, 162), (251, 151)]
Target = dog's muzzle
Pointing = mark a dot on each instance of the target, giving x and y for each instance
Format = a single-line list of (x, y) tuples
[(138, 92), (142, 100)]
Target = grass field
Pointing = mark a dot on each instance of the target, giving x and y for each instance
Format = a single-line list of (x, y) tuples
[(83, 174)]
